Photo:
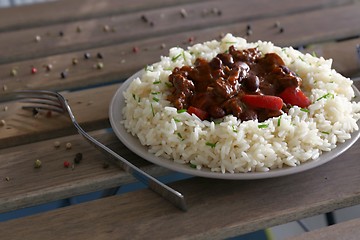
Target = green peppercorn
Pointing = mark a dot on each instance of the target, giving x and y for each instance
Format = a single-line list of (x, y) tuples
[(37, 163)]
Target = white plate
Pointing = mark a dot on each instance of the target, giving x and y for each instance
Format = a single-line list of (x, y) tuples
[(115, 114)]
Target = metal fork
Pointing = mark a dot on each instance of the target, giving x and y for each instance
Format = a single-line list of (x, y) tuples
[(53, 101)]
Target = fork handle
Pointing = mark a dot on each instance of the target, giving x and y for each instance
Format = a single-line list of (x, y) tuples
[(162, 189)]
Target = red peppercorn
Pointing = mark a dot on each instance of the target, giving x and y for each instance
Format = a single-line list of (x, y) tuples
[(135, 49), (33, 70), (66, 164)]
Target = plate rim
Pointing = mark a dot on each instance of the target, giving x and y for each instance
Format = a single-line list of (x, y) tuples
[(134, 145)]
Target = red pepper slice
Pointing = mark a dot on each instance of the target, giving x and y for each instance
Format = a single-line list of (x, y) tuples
[(295, 97), (263, 101), (198, 112)]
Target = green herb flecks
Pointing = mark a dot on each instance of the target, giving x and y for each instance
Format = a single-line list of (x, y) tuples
[(176, 120), (279, 121), (157, 82), (192, 165), (180, 136), (301, 59), (155, 93), (327, 133), (234, 129), (173, 59), (155, 99), (264, 125), (314, 54), (304, 110), (326, 96), (181, 110), (183, 55), (152, 110), (230, 42), (212, 145)]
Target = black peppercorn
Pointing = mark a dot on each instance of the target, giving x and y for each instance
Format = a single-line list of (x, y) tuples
[(63, 75), (78, 158), (100, 56), (87, 55)]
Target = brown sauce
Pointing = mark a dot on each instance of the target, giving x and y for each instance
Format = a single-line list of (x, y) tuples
[(217, 87)]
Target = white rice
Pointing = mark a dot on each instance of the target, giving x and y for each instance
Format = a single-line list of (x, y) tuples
[(231, 145)]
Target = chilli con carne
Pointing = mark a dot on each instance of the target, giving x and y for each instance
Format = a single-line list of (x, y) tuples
[(239, 82)]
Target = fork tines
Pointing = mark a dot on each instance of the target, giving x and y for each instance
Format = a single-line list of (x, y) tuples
[(40, 100)]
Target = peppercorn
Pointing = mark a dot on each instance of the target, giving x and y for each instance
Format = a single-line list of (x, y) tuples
[(68, 145), (33, 70), (35, 111), (61, 33), (37, 38), (66, 164), (56, 144), (13, 72), (78, 158), (78, 29), (37, 163), (2, 123), (48, 67), (144, 18), (99, 65), (74, 61), (135, 49), (281, 30), (183, 13), (87, 55), (63, 74), (99, 55), (106, 28)]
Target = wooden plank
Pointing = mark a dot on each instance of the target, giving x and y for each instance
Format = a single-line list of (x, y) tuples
[(349, 230), (217, 208), (22, 126), (120, 61), (28, 186), (67, 11), (336, 23)]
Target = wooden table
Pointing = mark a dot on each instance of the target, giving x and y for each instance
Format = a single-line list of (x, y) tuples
[(128, 35)]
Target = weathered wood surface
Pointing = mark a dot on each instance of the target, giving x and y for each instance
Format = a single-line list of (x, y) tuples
[(349, 230), (21, 45), (217, 208), (90, 108), (68, 11), (23, 185)]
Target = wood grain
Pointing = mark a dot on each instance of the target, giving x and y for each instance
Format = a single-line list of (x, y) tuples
[(217, 208), (349, 230), (90, 108), (28, 186), (21, 45), (67, 11)]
